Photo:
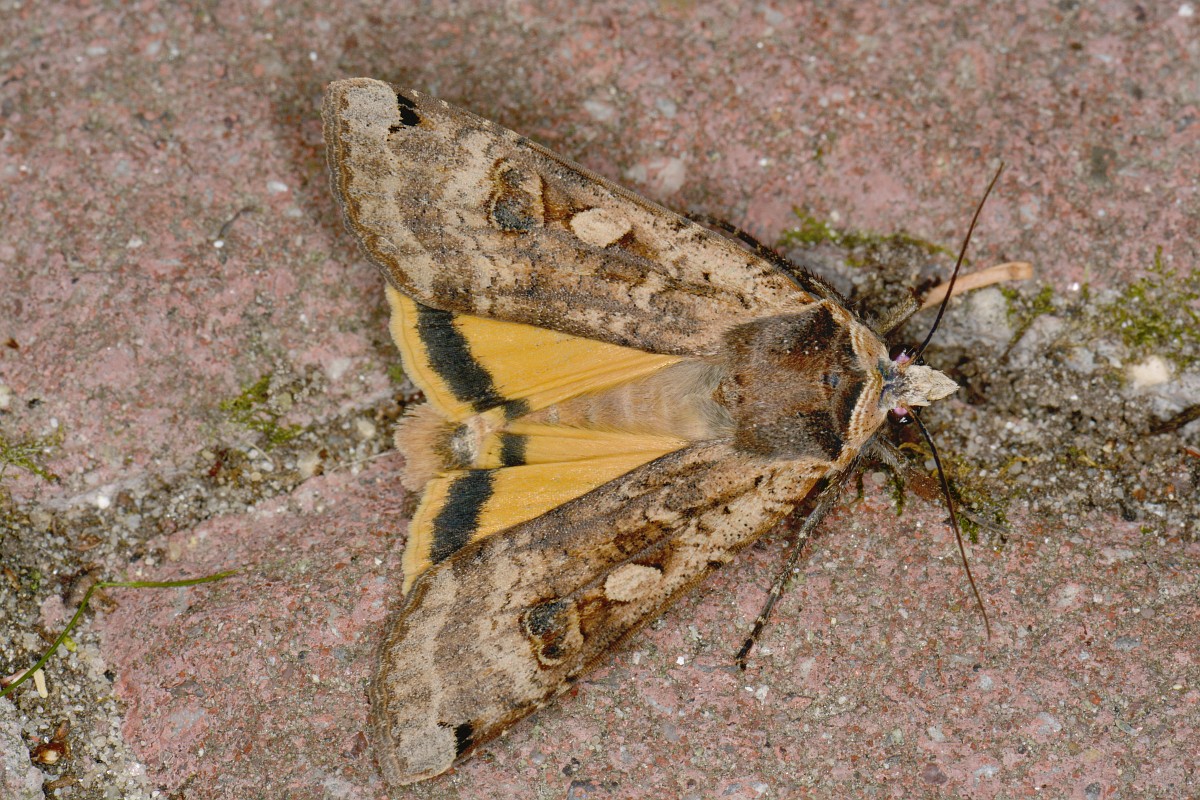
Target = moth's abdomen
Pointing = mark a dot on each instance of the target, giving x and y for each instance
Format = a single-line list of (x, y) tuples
[(677, 401)]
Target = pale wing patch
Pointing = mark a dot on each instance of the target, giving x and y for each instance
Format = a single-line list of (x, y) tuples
[(599, 227), (630, 582)]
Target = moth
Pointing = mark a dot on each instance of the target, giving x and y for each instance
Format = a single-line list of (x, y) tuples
[(618, 400)]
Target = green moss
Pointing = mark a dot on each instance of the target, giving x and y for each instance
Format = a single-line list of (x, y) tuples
[(810, 232), (252, 409), (29, 454), (975, 507), (1012, 296), (869, 247), (975, 514), (1157, 313), (396, 374), (1078, 457), (1042, 302), (1022, 311)]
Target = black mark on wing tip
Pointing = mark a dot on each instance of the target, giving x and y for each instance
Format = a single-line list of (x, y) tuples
[(458, 519), (409, 117), (464, 737)]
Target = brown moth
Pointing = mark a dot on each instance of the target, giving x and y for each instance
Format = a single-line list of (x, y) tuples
[(619, 400)]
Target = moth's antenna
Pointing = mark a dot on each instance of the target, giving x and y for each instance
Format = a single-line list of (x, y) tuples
[(962, 252), (962, 550)]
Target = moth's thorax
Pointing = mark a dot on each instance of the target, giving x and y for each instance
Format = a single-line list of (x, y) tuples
[(804, 385)]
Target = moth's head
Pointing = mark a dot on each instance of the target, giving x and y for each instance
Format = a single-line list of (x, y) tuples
[(907, 384)]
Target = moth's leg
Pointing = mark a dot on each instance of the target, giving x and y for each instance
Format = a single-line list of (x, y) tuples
[(1177, 421), (903, 472), (825, 501), (809, 282), (895, 317), (886, 453)]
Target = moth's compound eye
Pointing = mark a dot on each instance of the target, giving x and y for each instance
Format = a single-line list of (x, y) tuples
[(901, 415), (900, 354)]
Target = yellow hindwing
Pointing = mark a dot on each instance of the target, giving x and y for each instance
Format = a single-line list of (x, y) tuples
[(483, 378)]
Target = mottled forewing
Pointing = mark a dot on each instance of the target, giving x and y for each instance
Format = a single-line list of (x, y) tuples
[(495, 632), (464, 215)]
